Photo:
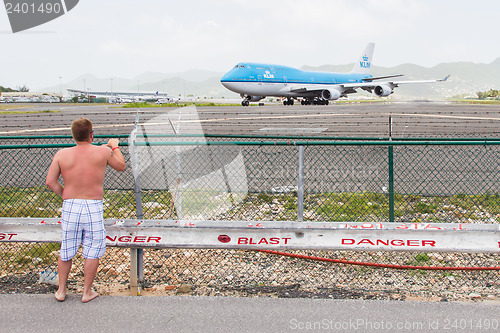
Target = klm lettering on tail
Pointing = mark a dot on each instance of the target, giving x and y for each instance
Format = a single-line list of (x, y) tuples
[(365, 63)]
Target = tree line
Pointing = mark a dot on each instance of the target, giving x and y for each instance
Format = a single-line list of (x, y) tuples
[(18, 89), (495, 94)]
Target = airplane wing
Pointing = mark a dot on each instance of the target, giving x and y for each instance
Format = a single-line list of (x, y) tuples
[(369, 79), (335, 91), (350, 87), (383, 88), (423, 81), (392, 83)]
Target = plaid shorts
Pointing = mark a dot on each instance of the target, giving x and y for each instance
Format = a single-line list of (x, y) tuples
[(82, 224)]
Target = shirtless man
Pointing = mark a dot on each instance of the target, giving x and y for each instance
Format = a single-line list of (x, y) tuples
[(82, 168)]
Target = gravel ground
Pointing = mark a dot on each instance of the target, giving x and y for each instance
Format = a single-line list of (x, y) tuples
[(256, 274)]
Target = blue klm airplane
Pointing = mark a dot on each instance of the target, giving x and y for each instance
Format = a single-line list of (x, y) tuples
[(254, 81)]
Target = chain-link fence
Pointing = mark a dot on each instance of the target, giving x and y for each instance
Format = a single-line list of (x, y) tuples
[(218, 178)]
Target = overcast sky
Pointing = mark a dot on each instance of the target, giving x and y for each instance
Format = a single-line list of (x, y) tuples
[(124, 38)]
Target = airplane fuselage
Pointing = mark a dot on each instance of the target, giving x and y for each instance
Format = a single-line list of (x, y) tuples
[(275, 80)]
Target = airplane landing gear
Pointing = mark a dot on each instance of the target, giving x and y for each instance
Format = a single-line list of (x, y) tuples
[(288, 101), (246, 101)]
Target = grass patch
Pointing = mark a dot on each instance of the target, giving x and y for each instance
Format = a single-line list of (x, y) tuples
[(477, 101), (26, 112), (214, 204), (352, 206), (10, 106), (41, 202), (174, 105)]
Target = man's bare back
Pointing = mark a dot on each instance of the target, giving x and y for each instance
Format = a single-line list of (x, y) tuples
[(82, 168)]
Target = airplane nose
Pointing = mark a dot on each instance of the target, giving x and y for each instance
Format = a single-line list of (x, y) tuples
[(226, 77), (227, 85), (233, 86), (230, 81)]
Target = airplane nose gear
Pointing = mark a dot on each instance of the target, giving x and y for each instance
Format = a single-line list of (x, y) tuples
[(246, 101)]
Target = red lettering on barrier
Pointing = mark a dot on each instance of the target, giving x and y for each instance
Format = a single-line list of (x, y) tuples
[(263, 240), (365, 225), (139, 239), (389, 242), (428, 226), (155, 239), (428, 242), (136, 239), (460, 227), (6, 236), (274, 240), (366, 241), (418, 226), (397, 242), (125, 239)]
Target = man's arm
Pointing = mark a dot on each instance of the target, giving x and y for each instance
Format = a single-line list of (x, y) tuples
[(115, 160), (52, 180)]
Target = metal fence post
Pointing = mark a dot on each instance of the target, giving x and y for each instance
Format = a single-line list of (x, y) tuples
[(391, 184), (391, 174), (300, 186), (136, 254)]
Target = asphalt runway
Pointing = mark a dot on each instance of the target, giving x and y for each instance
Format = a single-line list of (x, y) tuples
[(412, 119)]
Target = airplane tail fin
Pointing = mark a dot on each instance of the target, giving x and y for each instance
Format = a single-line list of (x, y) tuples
[(363, 65)]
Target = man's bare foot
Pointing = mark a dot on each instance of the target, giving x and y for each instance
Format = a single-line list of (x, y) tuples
[(88, 298), (60, 295)]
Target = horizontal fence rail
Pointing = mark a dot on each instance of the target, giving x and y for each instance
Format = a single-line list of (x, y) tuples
[(265, 235)]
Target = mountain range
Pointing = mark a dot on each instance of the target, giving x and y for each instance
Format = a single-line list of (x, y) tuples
[(466, 80)]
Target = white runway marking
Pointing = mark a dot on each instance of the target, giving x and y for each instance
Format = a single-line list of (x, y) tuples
[(302, 130), (270, 117)]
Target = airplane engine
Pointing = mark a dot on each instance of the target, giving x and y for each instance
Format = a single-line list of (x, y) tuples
[(330, 94), (383, 90)]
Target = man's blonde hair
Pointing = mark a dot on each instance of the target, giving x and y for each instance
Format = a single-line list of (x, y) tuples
[(81, 129)]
